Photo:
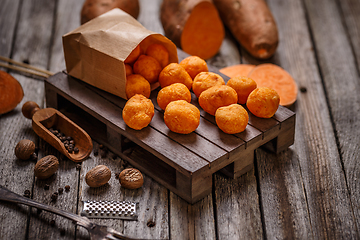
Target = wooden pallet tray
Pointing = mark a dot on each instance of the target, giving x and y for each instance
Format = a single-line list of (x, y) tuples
[(182, 163)]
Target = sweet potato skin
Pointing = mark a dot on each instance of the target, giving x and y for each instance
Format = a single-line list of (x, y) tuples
[(94, 8), (11, 92), (252, 24), (174, 16), (174, 24)]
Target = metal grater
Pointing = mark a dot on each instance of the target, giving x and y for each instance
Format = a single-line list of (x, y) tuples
[(110, 209)]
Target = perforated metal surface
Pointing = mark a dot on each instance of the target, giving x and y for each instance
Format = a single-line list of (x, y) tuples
[(110, 209)]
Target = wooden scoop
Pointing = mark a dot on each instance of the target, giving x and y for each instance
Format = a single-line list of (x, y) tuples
[(44, 119)]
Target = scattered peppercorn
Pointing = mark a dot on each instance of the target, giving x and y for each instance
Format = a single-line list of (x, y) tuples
[(47, 187), (27, 193), (52, 222), (60, 190), (54, 197), (67, 188), (303, 89), (101, 146), (150, 224)]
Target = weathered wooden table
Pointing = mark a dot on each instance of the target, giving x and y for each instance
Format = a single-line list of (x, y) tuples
[(309, 191)]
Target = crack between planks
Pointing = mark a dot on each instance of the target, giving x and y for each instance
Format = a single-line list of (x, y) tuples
[(307, 18), (77, 200), (53, 30), (215, 208), (18, 14), (169, 212), (261, 208)]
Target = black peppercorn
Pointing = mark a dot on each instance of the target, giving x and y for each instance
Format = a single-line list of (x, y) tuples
[(54, 197), (67, 188), (303, 89)]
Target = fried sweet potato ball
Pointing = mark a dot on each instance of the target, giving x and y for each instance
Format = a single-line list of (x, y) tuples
[(176, 91), (263, 102), (232, 119), (138, 112), (159, 52), (217, 96), (174, 73), (181, 117), (194, 65), (243, 87), (137, 84), (206, 80), (148, 67)]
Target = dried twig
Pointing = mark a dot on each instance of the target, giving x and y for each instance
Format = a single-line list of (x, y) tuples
[(23, 67)]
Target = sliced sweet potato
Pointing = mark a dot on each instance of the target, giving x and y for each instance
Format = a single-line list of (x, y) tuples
[(94, 8), (193, 25), (275, 77), (237, 70), (252, 24), (11, 92)]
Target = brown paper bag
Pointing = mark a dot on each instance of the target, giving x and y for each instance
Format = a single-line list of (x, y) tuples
[(95, 52)]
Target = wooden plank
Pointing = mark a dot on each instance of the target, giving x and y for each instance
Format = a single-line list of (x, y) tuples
[(317, 156), (9, 14), (343, 101), (237, 203), (18, 175), (29, 33)]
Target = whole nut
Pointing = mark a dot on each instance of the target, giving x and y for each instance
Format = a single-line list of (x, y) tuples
[(46, 167), (131, 178), (98, 176), (24, 149)]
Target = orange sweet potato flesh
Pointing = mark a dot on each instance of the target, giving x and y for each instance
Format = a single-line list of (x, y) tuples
[(11, 92), (275, 77), (252, 24), (94, 8), (193, 25), (237, 70)]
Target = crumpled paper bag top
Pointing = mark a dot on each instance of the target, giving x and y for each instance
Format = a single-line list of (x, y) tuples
[(95, 52)]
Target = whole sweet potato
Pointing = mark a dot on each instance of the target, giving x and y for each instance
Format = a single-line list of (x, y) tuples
[(252, 24), (11, 92), (94, 8)]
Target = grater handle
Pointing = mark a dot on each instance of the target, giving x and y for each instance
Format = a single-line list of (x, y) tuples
[(7, 195)]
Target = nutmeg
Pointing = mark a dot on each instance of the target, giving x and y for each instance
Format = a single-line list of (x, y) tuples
[(98, 176), (24, 149), (131, 178), (46, 167)]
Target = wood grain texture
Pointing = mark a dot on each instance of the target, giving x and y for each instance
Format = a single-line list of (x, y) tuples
[(321, 170), (340, 71), (237, 207), (18, 175)]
